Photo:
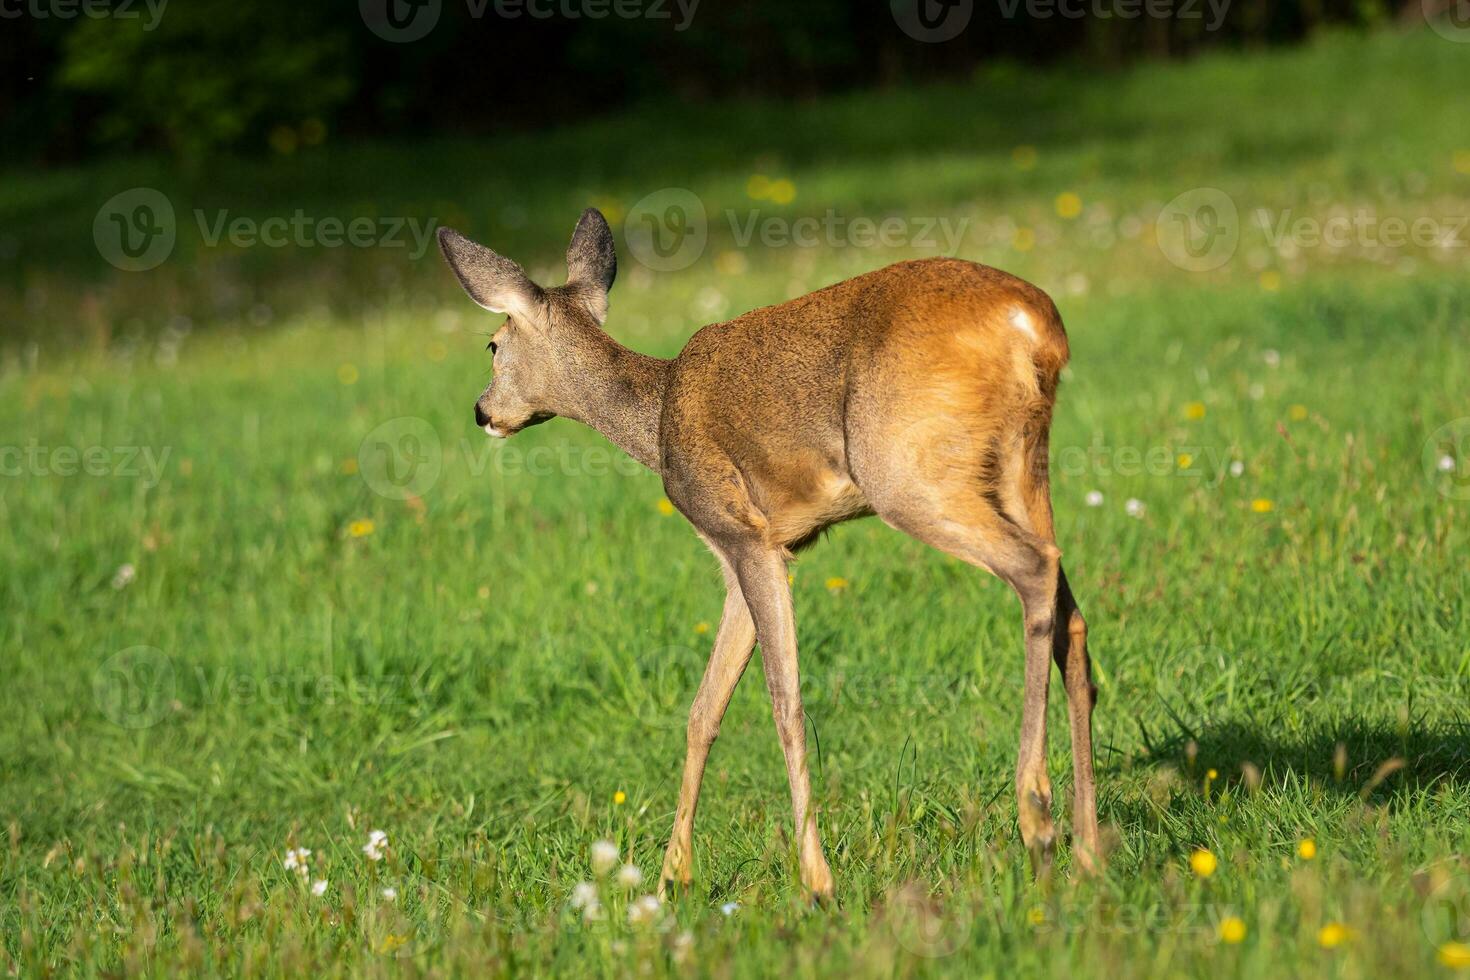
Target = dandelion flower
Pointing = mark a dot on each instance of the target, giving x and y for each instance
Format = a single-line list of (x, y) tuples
[(1094, 498), (1133, 507), (619, 798), (1270, 280), (1194, 411), (1036, 915), (1203, 863), (1454, 955), (1333, 935), (1232, 929), (1069, 205), (1024, 240), (1307, 849), (836, 584), (1262, 506), (645, 909), (629, 876), (584, 894), (319, 887), (296, 860), (1184, 460), (783, 191), (604, 856), (666, 507), (701, 628), (361, 528), (1298, 413), (376, 844)]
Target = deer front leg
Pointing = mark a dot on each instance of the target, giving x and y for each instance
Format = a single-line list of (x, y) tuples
[(734, 644), (768, 594)]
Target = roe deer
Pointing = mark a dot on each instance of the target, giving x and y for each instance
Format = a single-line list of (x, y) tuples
[(921, 393)]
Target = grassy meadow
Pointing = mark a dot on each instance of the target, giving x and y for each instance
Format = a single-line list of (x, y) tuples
[(267, 588)]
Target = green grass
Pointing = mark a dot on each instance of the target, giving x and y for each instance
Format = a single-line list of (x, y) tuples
[(505, 652)]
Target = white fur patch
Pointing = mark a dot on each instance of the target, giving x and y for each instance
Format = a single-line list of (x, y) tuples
[(1021, 320)]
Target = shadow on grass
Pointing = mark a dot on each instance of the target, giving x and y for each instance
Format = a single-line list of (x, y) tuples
[(1371, 760)]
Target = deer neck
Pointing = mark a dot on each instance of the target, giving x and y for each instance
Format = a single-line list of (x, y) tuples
[(620, 393)]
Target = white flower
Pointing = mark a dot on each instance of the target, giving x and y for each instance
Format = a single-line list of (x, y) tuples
[(319, 887), (124, 576), (296, 860), (584, 894), (683, 944), (730, 908), (1134, 507), (593, 912), (629, 876), (1094, 498), (390, 893), (1447, 464), (1257, 391), (1237, 468), (645, 909), (1271, 357), (376, 845), (604, 856)]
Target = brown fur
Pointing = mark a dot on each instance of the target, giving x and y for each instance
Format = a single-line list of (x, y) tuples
[(921, 392)]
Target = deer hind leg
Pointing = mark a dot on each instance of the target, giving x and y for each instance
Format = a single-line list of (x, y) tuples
[(972, 527), (1069, 649)]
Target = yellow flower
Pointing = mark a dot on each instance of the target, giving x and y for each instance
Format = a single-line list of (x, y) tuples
[(790, 578), (349, 466), (836, 584), (1024, 157), (347, 374), (1184, 460), (1212, 774), (783, 191), (619, 798), (1262, 506), (758, 187), (1307, 849), (1270, 280), (1298, 413), (1036, 916), (665, 507), (1069, 205), (1232, 929), (1024, 240), (1194, 411), (701, 628), (361, 528), (1454, 955), (1203, 863), (391, 942), (1333, 935)]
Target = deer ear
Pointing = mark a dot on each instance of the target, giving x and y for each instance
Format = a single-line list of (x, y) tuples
[(592, 261), (493, 281)]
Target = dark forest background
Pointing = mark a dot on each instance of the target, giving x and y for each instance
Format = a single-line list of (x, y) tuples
[(215, 75)]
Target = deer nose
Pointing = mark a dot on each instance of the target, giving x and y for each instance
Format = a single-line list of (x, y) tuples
[(482, 417)]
